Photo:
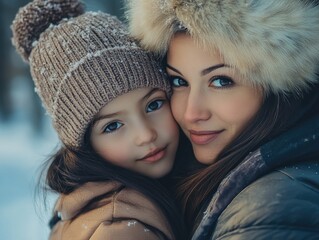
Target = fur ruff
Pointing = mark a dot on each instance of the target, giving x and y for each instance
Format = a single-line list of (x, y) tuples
[(273, 43)]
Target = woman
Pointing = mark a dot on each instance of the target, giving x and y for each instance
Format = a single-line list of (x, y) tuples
[(245, 80)]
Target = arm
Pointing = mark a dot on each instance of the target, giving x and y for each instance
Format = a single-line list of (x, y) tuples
[(128, 230), (103, 211)]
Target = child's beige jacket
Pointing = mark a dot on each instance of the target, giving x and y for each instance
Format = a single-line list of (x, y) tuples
[(108, 210)]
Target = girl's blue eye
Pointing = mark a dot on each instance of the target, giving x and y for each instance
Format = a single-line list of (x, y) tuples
[(155, 105), (111, 127), (178, 82), (221, 82)]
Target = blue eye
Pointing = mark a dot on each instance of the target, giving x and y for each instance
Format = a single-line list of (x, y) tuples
[(111, 127), (221, 82), (155, 105), (177, 82)]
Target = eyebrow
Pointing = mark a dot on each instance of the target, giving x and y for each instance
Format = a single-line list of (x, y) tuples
[(101, 117), (212, 68), (204, 71), (150, 93)]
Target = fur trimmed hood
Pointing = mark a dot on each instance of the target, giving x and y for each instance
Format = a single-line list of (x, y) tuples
[(273, 43)]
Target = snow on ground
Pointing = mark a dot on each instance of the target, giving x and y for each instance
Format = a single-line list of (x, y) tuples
[(23, 215), (22, 151)]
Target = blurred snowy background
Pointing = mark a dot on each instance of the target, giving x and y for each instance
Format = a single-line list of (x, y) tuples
[(26, 136)]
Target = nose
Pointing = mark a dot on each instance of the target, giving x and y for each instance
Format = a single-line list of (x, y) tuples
[(196, 108), (145, 134)]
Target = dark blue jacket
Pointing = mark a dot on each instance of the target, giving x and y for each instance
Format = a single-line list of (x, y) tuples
[(272, 194)]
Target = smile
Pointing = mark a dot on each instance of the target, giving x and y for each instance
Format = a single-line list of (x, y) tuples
[(154, 155), (204, 137)]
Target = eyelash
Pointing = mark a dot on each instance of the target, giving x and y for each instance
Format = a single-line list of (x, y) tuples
[(110, 124), (228, 85), (160, 103), (172, 81)]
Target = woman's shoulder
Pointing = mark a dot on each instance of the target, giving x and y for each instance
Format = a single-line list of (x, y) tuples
[(108, 209), (282, 203)]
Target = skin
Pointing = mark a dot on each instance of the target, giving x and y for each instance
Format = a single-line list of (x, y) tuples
[(134, 125), (210, 101)]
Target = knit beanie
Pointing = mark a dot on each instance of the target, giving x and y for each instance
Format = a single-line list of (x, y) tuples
[(80, 62), (271, 43)]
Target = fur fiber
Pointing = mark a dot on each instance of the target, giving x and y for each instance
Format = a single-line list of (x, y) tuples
[(272, 43)]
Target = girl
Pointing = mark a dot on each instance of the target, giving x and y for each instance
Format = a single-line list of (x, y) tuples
[(245, 93), (108, 102)]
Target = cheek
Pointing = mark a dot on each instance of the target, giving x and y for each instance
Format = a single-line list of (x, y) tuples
[(240, 109), (166, 124), (113, 152), (178, 102)]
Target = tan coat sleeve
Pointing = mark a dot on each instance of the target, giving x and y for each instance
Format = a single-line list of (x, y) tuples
[(126, 229), (118, 213)]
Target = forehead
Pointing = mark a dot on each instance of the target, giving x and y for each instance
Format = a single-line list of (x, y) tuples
[(184, 50)]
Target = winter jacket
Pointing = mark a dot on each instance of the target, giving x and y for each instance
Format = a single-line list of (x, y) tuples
[(272, 194), (108, 210)]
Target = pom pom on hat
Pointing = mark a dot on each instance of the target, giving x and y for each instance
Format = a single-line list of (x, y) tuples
[(36, 17)]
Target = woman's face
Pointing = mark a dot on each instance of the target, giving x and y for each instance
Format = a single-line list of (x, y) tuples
[(137, 131), (210, 101)]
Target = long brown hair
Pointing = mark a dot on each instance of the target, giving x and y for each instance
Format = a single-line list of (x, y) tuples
[(275, 115)]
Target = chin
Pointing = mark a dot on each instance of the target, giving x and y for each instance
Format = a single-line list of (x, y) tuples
[(205, 157), (162, 172)]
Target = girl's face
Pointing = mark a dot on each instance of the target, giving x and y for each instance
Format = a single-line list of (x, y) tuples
[(210, 101), (137, 131)]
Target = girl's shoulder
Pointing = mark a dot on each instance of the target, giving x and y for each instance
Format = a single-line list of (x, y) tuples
[(108, 208)]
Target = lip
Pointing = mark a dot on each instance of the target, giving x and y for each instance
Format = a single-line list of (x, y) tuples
[(204, 137), (154, 155)]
